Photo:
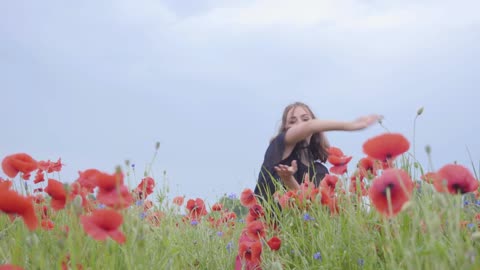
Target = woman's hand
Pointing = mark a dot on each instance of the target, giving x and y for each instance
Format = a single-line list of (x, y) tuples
[(364, 122), (286, 174)]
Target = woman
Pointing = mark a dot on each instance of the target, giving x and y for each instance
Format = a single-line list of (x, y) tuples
[(300, 148)]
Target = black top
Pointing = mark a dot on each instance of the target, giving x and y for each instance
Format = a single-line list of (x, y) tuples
[(273, 157)]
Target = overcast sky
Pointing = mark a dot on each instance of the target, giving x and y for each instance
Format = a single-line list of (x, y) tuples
[(99, 82)]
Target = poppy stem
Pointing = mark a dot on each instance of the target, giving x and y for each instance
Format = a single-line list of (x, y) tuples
[(389, 200), (471, 160)]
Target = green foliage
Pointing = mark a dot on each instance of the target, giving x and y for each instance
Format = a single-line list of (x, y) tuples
[(233, 204)]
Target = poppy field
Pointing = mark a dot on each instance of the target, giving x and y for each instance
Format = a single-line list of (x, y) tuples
[(389, 213)]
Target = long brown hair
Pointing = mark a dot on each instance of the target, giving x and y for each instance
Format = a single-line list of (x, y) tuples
[(318, 143)]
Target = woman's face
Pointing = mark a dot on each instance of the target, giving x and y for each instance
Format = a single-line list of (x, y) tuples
[(297, 115)]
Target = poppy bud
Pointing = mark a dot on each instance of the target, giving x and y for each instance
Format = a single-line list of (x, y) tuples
[(428, 149), (157, 145), (420, 111)]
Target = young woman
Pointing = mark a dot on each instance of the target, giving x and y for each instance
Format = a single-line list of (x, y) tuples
[(300, 148)]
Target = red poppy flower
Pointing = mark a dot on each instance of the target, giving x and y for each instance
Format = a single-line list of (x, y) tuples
[(88, 179), (329, 182), (341, 169), (247, 198), (103, 223), (178, 200), (274, 243), (56, 190), (250, 251), (288, 199), (26, 176), (55, 166), (147, 205), (107, 181), (256, 230), (455, 179), (146, 186), (196, 208), (43, 165), (217, 207), (119, 197), (368, 166), (336, 157), (399, 184), (228, 216), (47, 224), (76, 189), (5, 184), (386, 146), (16, 163), (256, 211), (334, 151), (13, 203), (155, 217), (242, 264), (39, 177)]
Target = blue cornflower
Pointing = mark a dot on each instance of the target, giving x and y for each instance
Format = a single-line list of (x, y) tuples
[(466, 202), (139, 202), (101, 206), (133, 165), (143, 215), (194, 222), (232, 196), (317, 256), (229, 246), (307, 217), (241, 220), (360, 262), (477, 202), (220, 233), (470, 225)]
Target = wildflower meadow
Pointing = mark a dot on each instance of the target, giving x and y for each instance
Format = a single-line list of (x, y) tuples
[(391, 212)]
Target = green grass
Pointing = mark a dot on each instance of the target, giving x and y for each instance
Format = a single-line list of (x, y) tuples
[(427, 235)]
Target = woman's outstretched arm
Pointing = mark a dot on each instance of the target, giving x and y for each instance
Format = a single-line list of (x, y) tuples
[(302, 130)]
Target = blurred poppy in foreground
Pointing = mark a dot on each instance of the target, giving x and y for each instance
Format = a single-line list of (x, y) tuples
[(16, 163), (57, 192), (13, 203), (386, 147), (454, 179), (396, 182), (103, 223)]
